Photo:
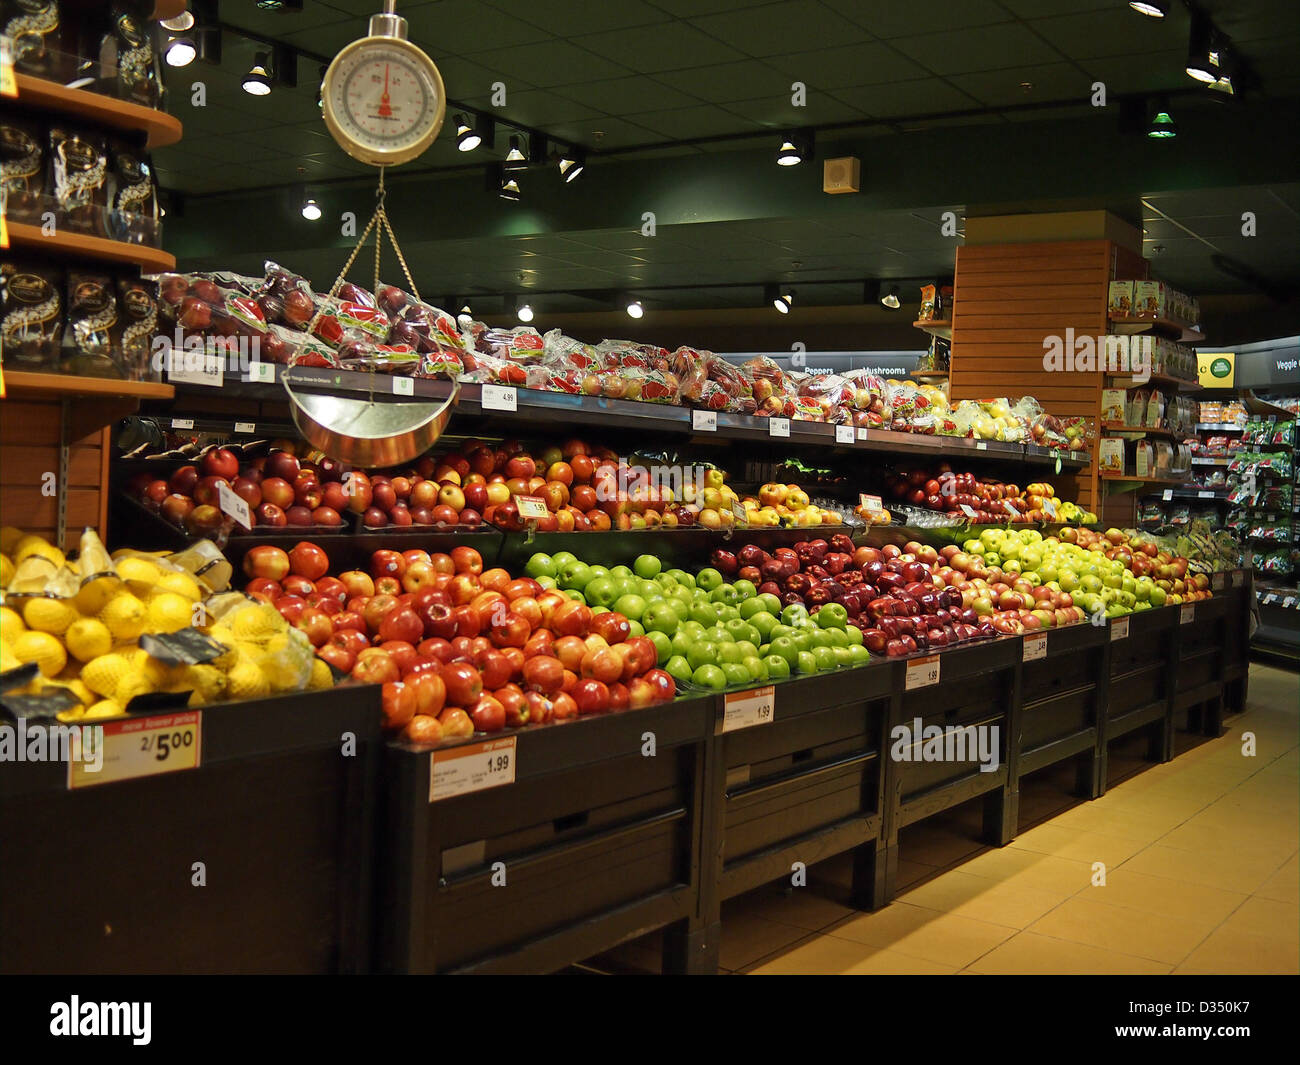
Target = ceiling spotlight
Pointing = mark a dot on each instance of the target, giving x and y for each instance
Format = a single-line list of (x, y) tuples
[(311, 210), (890, 298), (1153, 8), (515, 158), (179, 52), (1162, 125), (179, 24), (525, 313), (509, 190), (1202, 63), (788, 155), (465, 316), (779, 297), (257, 82), (467, 138), (572, 163), (634, 309)]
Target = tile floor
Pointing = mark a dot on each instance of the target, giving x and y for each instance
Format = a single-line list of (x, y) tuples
[(1200, 859)]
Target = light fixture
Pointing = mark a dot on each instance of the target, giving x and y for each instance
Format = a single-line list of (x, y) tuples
[(179, 52), (1153, 8), (1162, 125), (525, 313), (311, 210), (572, 163), (788, 155), (1202, 64), (515, 158), (467, 137), (257, 82), (779, 297), (509, 190), (465, 316), (320, 88), (634, 309), (179, 24), (890, 299)]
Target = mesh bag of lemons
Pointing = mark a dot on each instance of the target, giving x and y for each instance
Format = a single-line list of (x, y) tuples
[(80, 621)]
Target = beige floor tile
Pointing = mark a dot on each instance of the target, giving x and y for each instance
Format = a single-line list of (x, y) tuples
[(1023, 868), (1229, 950), (746, 938), (1087, 919), (958, 892), (938, 937), (1232, 870), (1181, 900), (1030, 953), (803, 909), (1113, 821), (1275, 838), (1284, 885), (1079, 845), (910, 873), (824, 955), (1267, 917)]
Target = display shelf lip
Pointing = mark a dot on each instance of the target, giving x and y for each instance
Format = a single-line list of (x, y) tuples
[(1181, 383), (940, 327), (162, 129), (1129, 325), (67, 385), (62, 242), (1220, 427), (1144, 430), (1138, 480)]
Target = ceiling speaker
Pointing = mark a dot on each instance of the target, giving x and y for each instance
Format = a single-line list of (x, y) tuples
[(841, 175)]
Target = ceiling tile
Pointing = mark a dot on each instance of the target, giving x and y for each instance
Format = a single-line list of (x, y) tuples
[(923, 97), (549, 63), (461, 27), (1114, 31), (688, 122), (671, 46), (903, 19), (536, 107), (770, 28), (570, 18), (779, 113), (1003, 88), (847, 65), (623, 96), (730, 81), (978, 48)]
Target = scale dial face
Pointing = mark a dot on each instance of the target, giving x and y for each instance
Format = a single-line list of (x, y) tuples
[(383, 100)]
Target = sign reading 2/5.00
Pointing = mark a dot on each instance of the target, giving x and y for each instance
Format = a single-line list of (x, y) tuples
[(142, 747)]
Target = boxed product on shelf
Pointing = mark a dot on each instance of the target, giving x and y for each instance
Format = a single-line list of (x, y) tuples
[(31, 313), (1110, 454), (1120, 299), (1150, 299), (1144, 459), (1164, 453), (1113, 406), (23, 171), (1154, 415)]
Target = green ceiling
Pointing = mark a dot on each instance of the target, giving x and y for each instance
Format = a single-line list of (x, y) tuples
[(935, 91)]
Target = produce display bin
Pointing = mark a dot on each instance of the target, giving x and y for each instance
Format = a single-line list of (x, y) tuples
[(593, 843), (1234, 587), (1061, 698), (279, 812), (1199, 645), (1142, 675), (806, 786)]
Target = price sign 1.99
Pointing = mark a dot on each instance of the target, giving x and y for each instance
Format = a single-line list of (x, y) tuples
[(748, 708), (473, 767)]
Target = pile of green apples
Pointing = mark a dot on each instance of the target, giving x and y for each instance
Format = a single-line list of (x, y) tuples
[(709, 633)]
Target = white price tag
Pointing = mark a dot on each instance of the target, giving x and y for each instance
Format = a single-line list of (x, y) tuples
[(982, 446), (1034, 647), (246, 427), (182, 423), (862, 433), (738, 512), (778, 427), (500, 397), (922, 672), (403, 386), (140, 747), (844, 434), (234, 505), (1118, 629), (1187, 614), (195, 368), (967, 509), (473, 767), (704, 421), (531, 507), (262, 373), (1204, 495), (1289, 601), (746, 709), (1167, 494), (870, 503), (1270, 598)]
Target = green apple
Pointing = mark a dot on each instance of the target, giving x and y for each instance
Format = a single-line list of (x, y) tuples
[(806, 662), (773, 603), (708, 579), (661, 616), (1089, 582), (756, 667), (745, 589), (540, 565), (635, 628), (843, 657), (573, 576), (631, 606), (859, 655), (663, 645), (1011, 566), (794, 612), (1158, 596), (1069, 580), (825, 657), (752, 606), (729, 652), (784, 647), (736, 673), (777, 667), (764, 623), (702, 653), (855, 636), (679, 669), (709, 676), (832, 616), (573, 593), (647, 566)]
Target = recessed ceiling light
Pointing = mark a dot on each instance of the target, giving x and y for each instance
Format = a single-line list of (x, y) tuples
[(465, 316), (525, 313), (257, 82), (311, 210)]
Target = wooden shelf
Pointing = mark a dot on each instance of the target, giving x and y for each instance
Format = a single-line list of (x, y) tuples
[(162, 128), (936, 374), (65, 386), (62, 242), (1140, 430), (938, 327), (1165, 326), (1134, 482), (1182, 384)]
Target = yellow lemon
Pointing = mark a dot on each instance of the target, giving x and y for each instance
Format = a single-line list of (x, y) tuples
[(256, 622), (49, 615), (103, 674), (37, 545), (81, 692), (11, 624), (207, 683), (321, 677), (125, 617), (130, 686), (9, 538), (88, 638), (8, 660), (73, 714), (104, 708), (43, 649), (181, 584), (140, 574), (246, 681), (6, 570), (169, 612), (93, 597)]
